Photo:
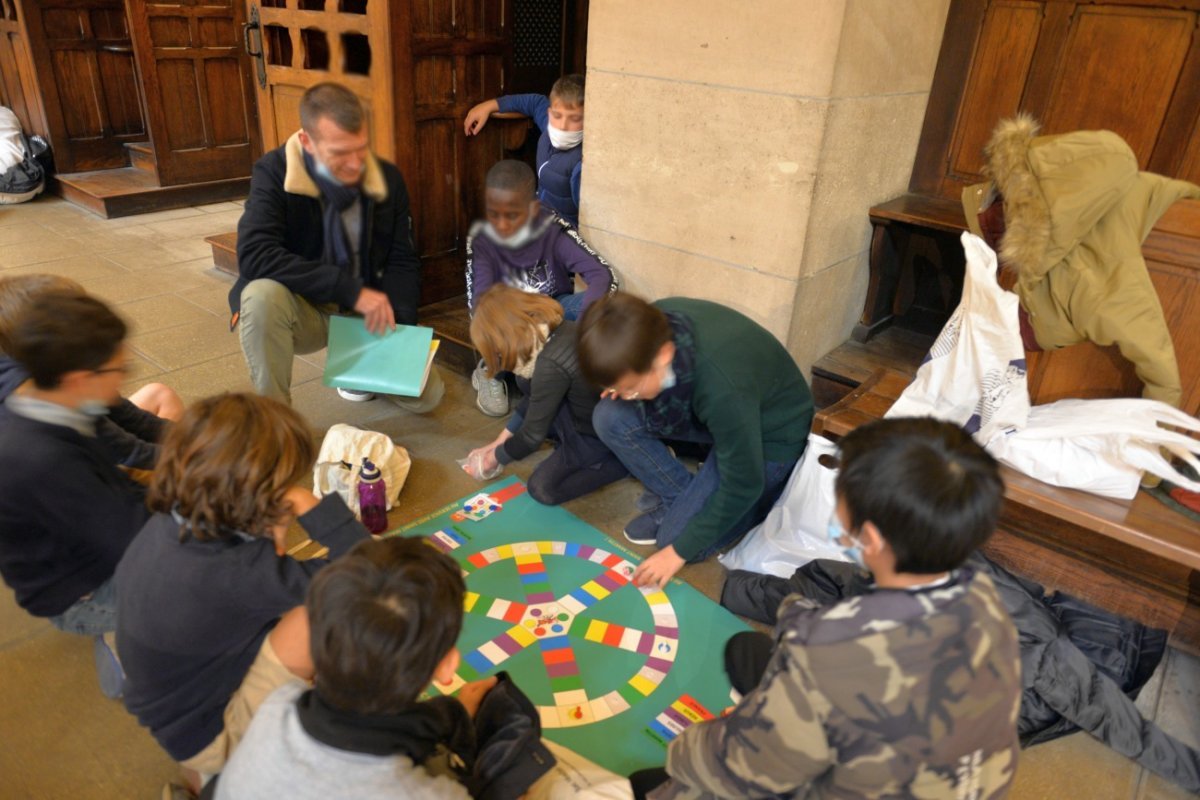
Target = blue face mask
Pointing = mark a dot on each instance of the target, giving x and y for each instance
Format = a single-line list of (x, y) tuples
[(836, 533), (668, 379)]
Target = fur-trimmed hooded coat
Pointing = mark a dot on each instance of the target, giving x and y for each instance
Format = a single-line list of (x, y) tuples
[(1076, 211)]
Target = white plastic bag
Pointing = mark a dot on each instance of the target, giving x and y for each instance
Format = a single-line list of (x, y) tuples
[(974, 375), (574, 777), (345, 444), (796, 530), (1101, 446)]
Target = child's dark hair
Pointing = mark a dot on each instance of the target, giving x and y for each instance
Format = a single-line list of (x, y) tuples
[(381, 618), (64, 331), (618, 334), (511, 175), (568, 90), (228, 463), (930, 489)]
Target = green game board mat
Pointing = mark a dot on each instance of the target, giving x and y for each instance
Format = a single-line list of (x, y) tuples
[(626, 663)]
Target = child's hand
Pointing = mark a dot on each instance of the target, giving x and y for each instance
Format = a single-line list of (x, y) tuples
[(477, 117), (659, 568), (301, 501), (471, 694)]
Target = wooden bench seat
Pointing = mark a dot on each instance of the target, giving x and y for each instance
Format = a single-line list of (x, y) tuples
[(1134, 557)]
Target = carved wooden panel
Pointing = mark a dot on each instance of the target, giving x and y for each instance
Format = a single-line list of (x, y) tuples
[(1118, 71), (306, 42), (1132, 66), (199, 98), (18, 78), (450, 55), (998, 73), (82, 53)]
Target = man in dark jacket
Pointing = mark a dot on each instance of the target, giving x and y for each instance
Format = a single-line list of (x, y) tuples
[(326, 229)]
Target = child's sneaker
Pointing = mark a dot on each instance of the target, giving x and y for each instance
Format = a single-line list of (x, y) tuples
[(108, 669), (355, 396), (643, 529), (491, 395)]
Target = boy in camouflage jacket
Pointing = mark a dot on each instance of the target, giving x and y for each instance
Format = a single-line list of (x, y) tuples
[(911, 690)]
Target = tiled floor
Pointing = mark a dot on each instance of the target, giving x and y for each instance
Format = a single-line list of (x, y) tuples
[(62, 739)]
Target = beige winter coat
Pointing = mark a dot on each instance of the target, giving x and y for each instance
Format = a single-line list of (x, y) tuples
[(1076, 212)]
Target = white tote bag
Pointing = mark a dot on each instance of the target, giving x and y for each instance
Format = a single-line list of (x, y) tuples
[(346, 445), (974, 375), (1101, 446), (796, 530)]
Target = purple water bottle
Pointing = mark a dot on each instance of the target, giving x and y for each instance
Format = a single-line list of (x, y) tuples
[(372, 498)]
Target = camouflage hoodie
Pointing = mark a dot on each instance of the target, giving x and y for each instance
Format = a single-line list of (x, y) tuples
[(893, 694)]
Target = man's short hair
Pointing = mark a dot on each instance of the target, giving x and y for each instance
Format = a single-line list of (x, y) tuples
[(17, 294), (568, 90), (334, 101), (62, 332), (381, 618), (618, 334), (930, 489), (511, 175)]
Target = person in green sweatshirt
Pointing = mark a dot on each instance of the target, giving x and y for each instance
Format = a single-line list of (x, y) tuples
[(695, 371)]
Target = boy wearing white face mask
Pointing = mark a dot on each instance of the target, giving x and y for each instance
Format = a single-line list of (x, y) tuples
[(523, 245), (559, 152)]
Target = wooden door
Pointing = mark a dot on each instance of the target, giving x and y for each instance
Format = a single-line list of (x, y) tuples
[(83, 58), (448, 56), (199, 97), (299, 43)]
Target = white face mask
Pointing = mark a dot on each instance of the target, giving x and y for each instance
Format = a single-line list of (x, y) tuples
[(564, 140), (520, 237), (324, 171), (668, 379), (93, 408)]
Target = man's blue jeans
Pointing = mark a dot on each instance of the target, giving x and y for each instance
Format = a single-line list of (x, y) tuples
[(92, 615), (621, 425)]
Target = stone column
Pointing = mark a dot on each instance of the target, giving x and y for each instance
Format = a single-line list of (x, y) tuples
[(732, 150)]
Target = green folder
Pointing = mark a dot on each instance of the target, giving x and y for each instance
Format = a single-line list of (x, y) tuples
[(396, 362)]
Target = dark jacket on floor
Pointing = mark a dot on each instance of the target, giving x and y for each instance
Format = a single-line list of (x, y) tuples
[(281, 236), (192, 615), (66, 513), (1081, 667)]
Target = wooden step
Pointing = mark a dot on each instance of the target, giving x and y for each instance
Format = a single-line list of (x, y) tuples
[(127, 191), (224, 249), (843, 369), (141, 156)]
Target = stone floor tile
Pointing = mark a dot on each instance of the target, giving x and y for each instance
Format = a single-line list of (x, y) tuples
[(1155, 788), (16, 624), (38, 251), (227, 373), (212, 296), (72, 742), (147, 257), (151, 314), (187, 344), (212, 208), (81, 268), (1075, 766), (198, 225), (1179, 705), (15, 234), (120, 287)]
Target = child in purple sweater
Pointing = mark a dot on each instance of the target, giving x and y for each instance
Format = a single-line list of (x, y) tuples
[(522, 245)]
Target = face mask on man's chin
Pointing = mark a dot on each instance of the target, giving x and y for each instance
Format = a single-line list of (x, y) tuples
[(325, 172), (564, 140)]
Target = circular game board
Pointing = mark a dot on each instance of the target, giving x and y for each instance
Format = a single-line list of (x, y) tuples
[(550, 623)]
